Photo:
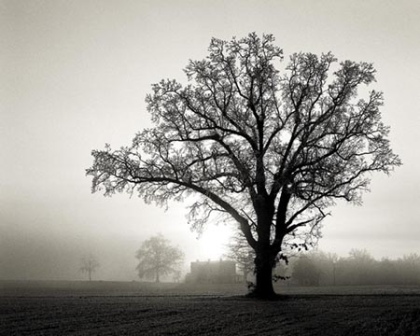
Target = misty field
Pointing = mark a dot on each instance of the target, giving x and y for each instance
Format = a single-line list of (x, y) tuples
[(111, 308)]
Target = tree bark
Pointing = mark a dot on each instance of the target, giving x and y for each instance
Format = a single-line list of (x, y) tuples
[(264, 289)]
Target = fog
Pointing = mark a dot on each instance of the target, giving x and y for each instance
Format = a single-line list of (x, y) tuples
[(52, 247), (358, 268), (74, 75)]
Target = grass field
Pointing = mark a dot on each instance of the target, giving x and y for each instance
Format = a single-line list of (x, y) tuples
[(111, 308)]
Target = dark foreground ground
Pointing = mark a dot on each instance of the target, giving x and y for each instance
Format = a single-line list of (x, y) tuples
[(142, 309)]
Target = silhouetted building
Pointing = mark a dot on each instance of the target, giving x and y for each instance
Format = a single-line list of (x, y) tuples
[(222, 271)]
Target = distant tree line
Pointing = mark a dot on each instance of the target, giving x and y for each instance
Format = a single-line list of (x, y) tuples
[(359, 268)]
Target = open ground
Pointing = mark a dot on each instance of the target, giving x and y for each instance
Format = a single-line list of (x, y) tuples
[(111, 308)]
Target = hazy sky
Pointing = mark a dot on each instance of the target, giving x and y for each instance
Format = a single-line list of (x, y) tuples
[(74, 75)]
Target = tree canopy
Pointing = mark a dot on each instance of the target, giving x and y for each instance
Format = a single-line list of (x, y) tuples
[(269, 146)]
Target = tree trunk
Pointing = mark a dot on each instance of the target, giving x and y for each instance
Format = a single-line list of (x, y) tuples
[(264, 277), (245, 277), (157, 280)]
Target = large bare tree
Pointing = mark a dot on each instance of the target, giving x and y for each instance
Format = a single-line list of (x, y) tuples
[(270, 146)]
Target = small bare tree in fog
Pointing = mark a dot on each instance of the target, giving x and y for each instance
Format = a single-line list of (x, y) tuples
[(89, 264), (331, 260), (240, 251), (158, 258), (177, 276), (269, 147)]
